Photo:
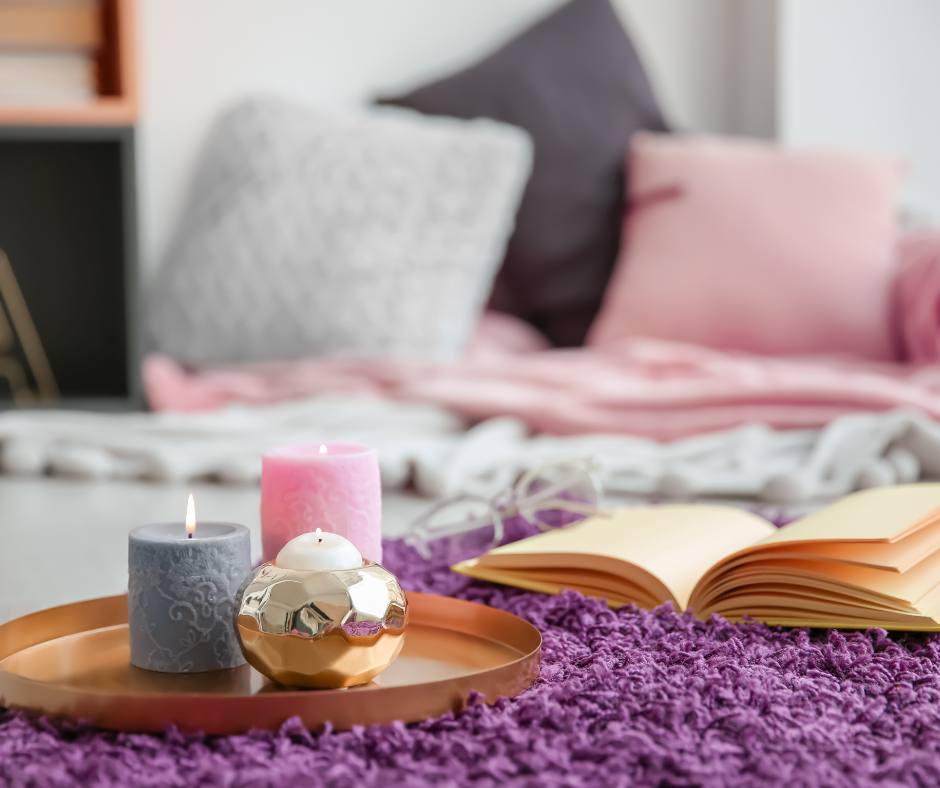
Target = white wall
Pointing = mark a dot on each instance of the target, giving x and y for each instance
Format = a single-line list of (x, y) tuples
[(713, 63), (199, 55), (866, 74)]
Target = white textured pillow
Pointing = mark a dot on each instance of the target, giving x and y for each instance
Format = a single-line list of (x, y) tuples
[(312, 231)]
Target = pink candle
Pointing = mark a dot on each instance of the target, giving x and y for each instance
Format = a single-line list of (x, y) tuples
[(333, 486)]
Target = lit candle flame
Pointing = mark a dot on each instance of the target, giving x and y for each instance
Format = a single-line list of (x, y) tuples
[(190, 516), (319, 537), (322, 449)]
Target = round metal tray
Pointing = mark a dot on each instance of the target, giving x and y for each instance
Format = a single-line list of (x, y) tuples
[(74, 661)]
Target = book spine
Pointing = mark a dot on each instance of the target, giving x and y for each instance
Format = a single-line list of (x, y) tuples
[(34, 26)]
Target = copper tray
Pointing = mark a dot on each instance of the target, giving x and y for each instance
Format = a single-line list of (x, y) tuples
[(74, 661)]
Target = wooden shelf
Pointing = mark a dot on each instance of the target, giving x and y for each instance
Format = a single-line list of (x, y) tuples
[(117, 77), (103, 112)]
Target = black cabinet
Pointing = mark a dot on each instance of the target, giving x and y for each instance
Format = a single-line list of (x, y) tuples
[(68, 272)]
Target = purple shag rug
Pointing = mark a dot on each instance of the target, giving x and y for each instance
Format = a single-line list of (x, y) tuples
[(625, 698)]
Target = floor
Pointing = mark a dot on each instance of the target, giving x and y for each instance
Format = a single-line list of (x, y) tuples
[(64, 540)]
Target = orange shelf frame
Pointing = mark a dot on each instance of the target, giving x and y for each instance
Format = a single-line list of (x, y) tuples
[(117, 103)]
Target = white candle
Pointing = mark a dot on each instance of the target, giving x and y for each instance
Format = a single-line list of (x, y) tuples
[(319, 551)]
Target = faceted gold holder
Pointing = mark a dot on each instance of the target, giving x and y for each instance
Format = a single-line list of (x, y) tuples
[(321, 628)]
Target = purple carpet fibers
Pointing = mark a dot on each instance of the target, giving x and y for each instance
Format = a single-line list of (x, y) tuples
[(624, 698)]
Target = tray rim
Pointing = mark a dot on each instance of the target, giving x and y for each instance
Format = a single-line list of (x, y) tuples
[(111, 612)]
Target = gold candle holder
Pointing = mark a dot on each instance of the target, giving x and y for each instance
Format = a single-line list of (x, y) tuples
[(321, 628)]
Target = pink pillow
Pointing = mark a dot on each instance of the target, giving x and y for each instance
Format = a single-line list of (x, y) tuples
[(741, 245), (917, 293), (499, 333)]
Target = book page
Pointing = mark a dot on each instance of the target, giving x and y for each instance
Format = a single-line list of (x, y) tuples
[(674, 544), (874, 588), (899, 556), (885, 514)]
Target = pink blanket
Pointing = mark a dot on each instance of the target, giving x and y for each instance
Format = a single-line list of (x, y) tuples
[(644, 387)]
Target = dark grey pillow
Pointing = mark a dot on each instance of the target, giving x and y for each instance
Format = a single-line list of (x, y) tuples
[(575, 83)]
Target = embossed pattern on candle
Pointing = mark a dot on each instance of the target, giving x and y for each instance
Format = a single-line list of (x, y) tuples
[(339, 491), (181, 598)]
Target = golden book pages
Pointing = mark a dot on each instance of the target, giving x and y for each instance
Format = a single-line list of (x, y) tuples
[(871, 559)]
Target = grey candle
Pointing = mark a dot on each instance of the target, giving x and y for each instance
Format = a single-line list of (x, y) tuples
[(181, 595)]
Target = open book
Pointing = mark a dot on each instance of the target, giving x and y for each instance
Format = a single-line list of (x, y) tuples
[(872, 559)]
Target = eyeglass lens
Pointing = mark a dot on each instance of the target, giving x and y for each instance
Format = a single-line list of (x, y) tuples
[(558, 495)]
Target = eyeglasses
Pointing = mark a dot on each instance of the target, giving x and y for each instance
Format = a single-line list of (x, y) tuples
[(552, 495)]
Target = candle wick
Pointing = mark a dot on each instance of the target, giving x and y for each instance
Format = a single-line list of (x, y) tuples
[(190, 536)]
